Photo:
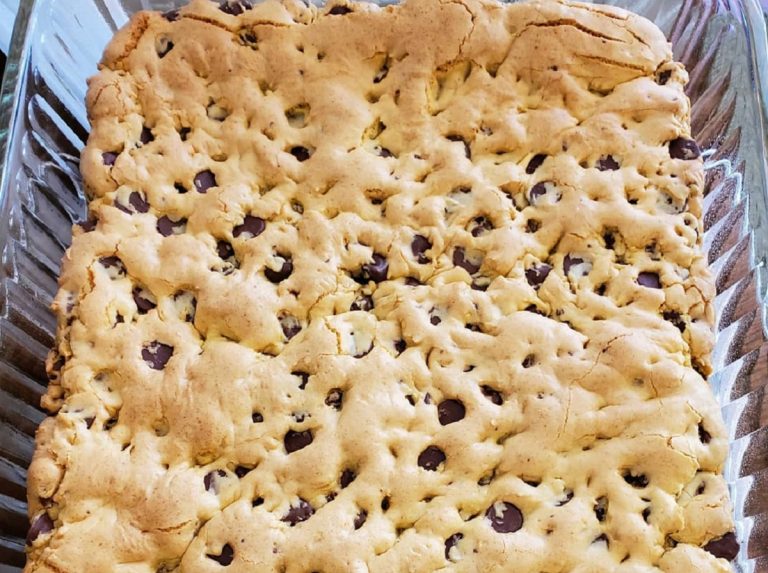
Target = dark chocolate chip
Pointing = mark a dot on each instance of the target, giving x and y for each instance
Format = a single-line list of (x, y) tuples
[(400, 346), (480, 226), (347, 477), (89, 421), (505, 517), (639, 481), (385, 504), (601, 537), (532, 225), (467, 149), (204, 181), (536, 275), (535, 163), (298, 513), (41, 525), (180, 188), (375, 271), (363, 302), (290, 325), (646, 514), (450, 411), (360, 519), (113, 262), (419, 246), (649, 280), (250, 227), (428, 398), (210, 480), (381, 74), (339, 10), (143, 303), (109, 424), (609, 239), (384, 152), (242, 471), (727, 547), (109, 158), (492, 394), (412, 282), (300, 153), (460, 260), (674, 318), (568, 497), (607, 163), (295, 441), (278, 276), (257, 502), (156, 354), (225, 250), (335, 398), (663, 77), (163, 45), (224, 558), (138, 202), (601, 508), (88, 224), (529, 361), (146, 134), (570, 262), (704, 436), (431, 458), (435, 320), (235, 7), (682, 148), (451, 542), (167, 226), (171, 15), (304, 376), (184, 133), (257, 418), (474, 327)]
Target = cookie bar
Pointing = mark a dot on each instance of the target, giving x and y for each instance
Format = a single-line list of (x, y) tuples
[(384, 289)]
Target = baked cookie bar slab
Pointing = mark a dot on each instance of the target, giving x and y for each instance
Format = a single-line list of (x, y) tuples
[(416, 288)]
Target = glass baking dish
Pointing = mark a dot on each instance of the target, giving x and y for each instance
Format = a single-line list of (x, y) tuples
[(56, 47)]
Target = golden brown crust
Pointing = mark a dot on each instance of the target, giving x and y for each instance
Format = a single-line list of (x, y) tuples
[(557, 308)]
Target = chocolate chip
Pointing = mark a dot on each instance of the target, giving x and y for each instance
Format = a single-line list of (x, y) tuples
[(532, 225), (384, 152), (257, 418), (474, 327), (171, 15), (41, 525), (156, 354), (257, 502), (451, 542), (419, 246), (467, 149), (290, 325), (235, 7), (649, 280), (529, 361), (480, 226), (460, 260), (385, 504), (300, 153), (544, 190), (535, 163), (167, 226), (136, 204), (537, 274), (204, 181), (412, 282), (601, 508), (638, 481), (569, 262), (601, 538), (109, 158), (143, 299), (250, 227), (674, 317), (89, 421), (646, 514), (382, 73), (431, 458), (450, 411), (180, 188), (704, 436), (726, 547), (298, 513), (607, 163), (347, 477), (224, 558), (295, 441), (339, 10), (505, 517), (210, 481), (88, 224), (663, 77), (492, 394), (435, 320), (225, 250), (114, 264), (360, 519), (682, 148), (363, 302), (335, 398), (375, 271), (400, 346), (278, 276), (568, 497), (242, 471), (184, 133), (146, 134)]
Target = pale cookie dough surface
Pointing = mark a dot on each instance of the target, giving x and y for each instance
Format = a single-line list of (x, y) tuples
[(413, 289)]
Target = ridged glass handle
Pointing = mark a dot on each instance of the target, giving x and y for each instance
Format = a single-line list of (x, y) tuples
[(8, 9)]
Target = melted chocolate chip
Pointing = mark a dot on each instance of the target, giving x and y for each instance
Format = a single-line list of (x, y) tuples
[(335, 398), (431, 458), (451, 542), (480, 226), (601, 508), (419, 246), (544, 192), (638, 481), (375, 271), (535, 163), (235, 7), (727, 547), (210, 480), (649, 280), (536, 275), (607, 163), (300, 153), (250, 227), (339, 10), (156, 354), (704, 436), (450, 411), (204, 181), (682, 148), (460, 260), (302, 511), (226, 556), (295, 441), (109, 158), (143, 303), (364, 302), (505, 517), (278, 276), (167, 226), (492, 394), (347, 477), (41, 525), (360, 519), (146, 133)]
